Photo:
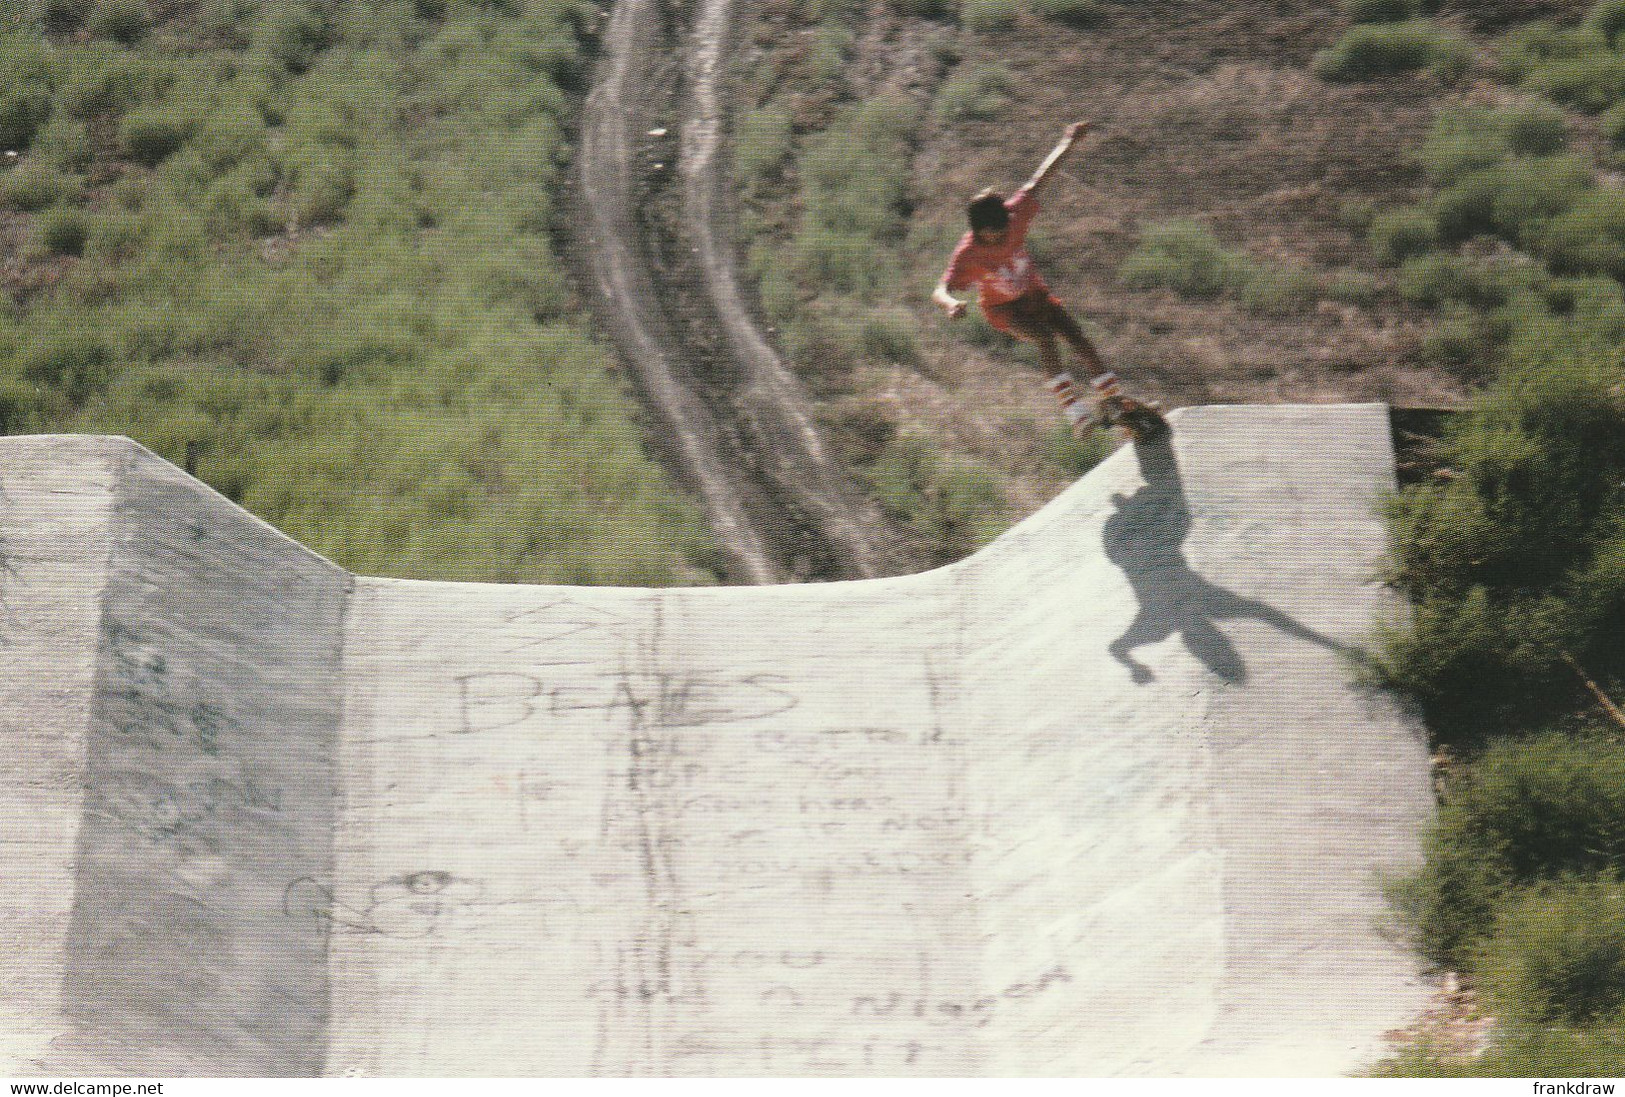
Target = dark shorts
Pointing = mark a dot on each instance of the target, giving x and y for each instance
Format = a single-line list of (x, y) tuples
[(1034, 315)]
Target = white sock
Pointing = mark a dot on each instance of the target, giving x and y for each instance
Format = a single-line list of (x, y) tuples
[(1061, 386)]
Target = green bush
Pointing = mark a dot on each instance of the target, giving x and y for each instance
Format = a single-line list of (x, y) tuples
[(1494, 557), (952, 506), (1528, 812), (762, 142), (1183, 256), (827, 53), (292, 32), (1466, 139), (1587, 238), (62, 16), (1274, 290), (1516, 200), (1557, 955), (1369, 50), (1081, 13), (151, 135), (1543, 1051), (72, 363), (65, 144), (988, 15), (1533, 190), (1433, 279), (1607, 18), (1591, 82), (33, 187), (977, 93), (62, 231), (1535, 129), (121, 20), (1531, 46), (1379, 11), (1463, 140), (853, 177), (23, 110), (1401, 234), (1352, 287), (1461, 342), (1612, 124)]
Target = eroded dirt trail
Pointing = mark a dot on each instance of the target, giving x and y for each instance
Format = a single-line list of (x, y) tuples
[(740, 430)]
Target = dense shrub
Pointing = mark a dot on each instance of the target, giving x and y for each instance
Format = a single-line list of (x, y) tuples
[(121, 20), (1503, 560), (988, 15), (292, 32), (1587, 238), (1557, 955), (1523, 50), (1434, 279), (1401, 234), (1183, 256), (951, 506), (1379, 11), (1607, 18), (23, 110), (1275, 290), (74, 363), (1516, 200), (1535, 129), (34, 187), (151, 134), (1380, 49), (762, 141), (1541, 810), (62, 231), (1591, 83), (1463, 140), (976, 92), (1081, 13)]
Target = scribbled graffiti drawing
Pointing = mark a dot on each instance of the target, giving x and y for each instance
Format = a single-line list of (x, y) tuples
[(417, 904), (557, 620), (422, 904)]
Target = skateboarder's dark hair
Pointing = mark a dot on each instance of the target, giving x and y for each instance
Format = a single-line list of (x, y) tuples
[(987, 211)]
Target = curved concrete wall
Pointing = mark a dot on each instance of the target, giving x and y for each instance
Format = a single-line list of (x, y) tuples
[(1097, 800)]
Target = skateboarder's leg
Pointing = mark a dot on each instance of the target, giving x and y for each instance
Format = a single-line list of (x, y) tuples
[(1059, 382), (1021, 320), (1062, 323), (1140, 419)]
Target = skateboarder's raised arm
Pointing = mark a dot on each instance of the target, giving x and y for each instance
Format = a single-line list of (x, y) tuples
[(1073, 132)]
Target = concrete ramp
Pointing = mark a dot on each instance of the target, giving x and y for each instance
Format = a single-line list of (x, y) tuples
[(1100, 799)]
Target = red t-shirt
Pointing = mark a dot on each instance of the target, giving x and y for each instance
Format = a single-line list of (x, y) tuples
[(1001, 272)]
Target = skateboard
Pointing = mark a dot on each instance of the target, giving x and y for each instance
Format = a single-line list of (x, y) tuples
[(1139, 421)]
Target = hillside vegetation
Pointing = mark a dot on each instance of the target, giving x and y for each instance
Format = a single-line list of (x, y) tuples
[(305, 247)]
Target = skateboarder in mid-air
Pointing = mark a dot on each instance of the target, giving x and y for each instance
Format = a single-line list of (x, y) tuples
[(1017, 301)]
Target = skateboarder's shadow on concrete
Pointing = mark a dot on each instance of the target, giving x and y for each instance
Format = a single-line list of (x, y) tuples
[(1144, 538)]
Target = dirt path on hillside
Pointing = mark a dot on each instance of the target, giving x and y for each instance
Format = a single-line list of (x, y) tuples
[(609, 161), (740, 429)]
